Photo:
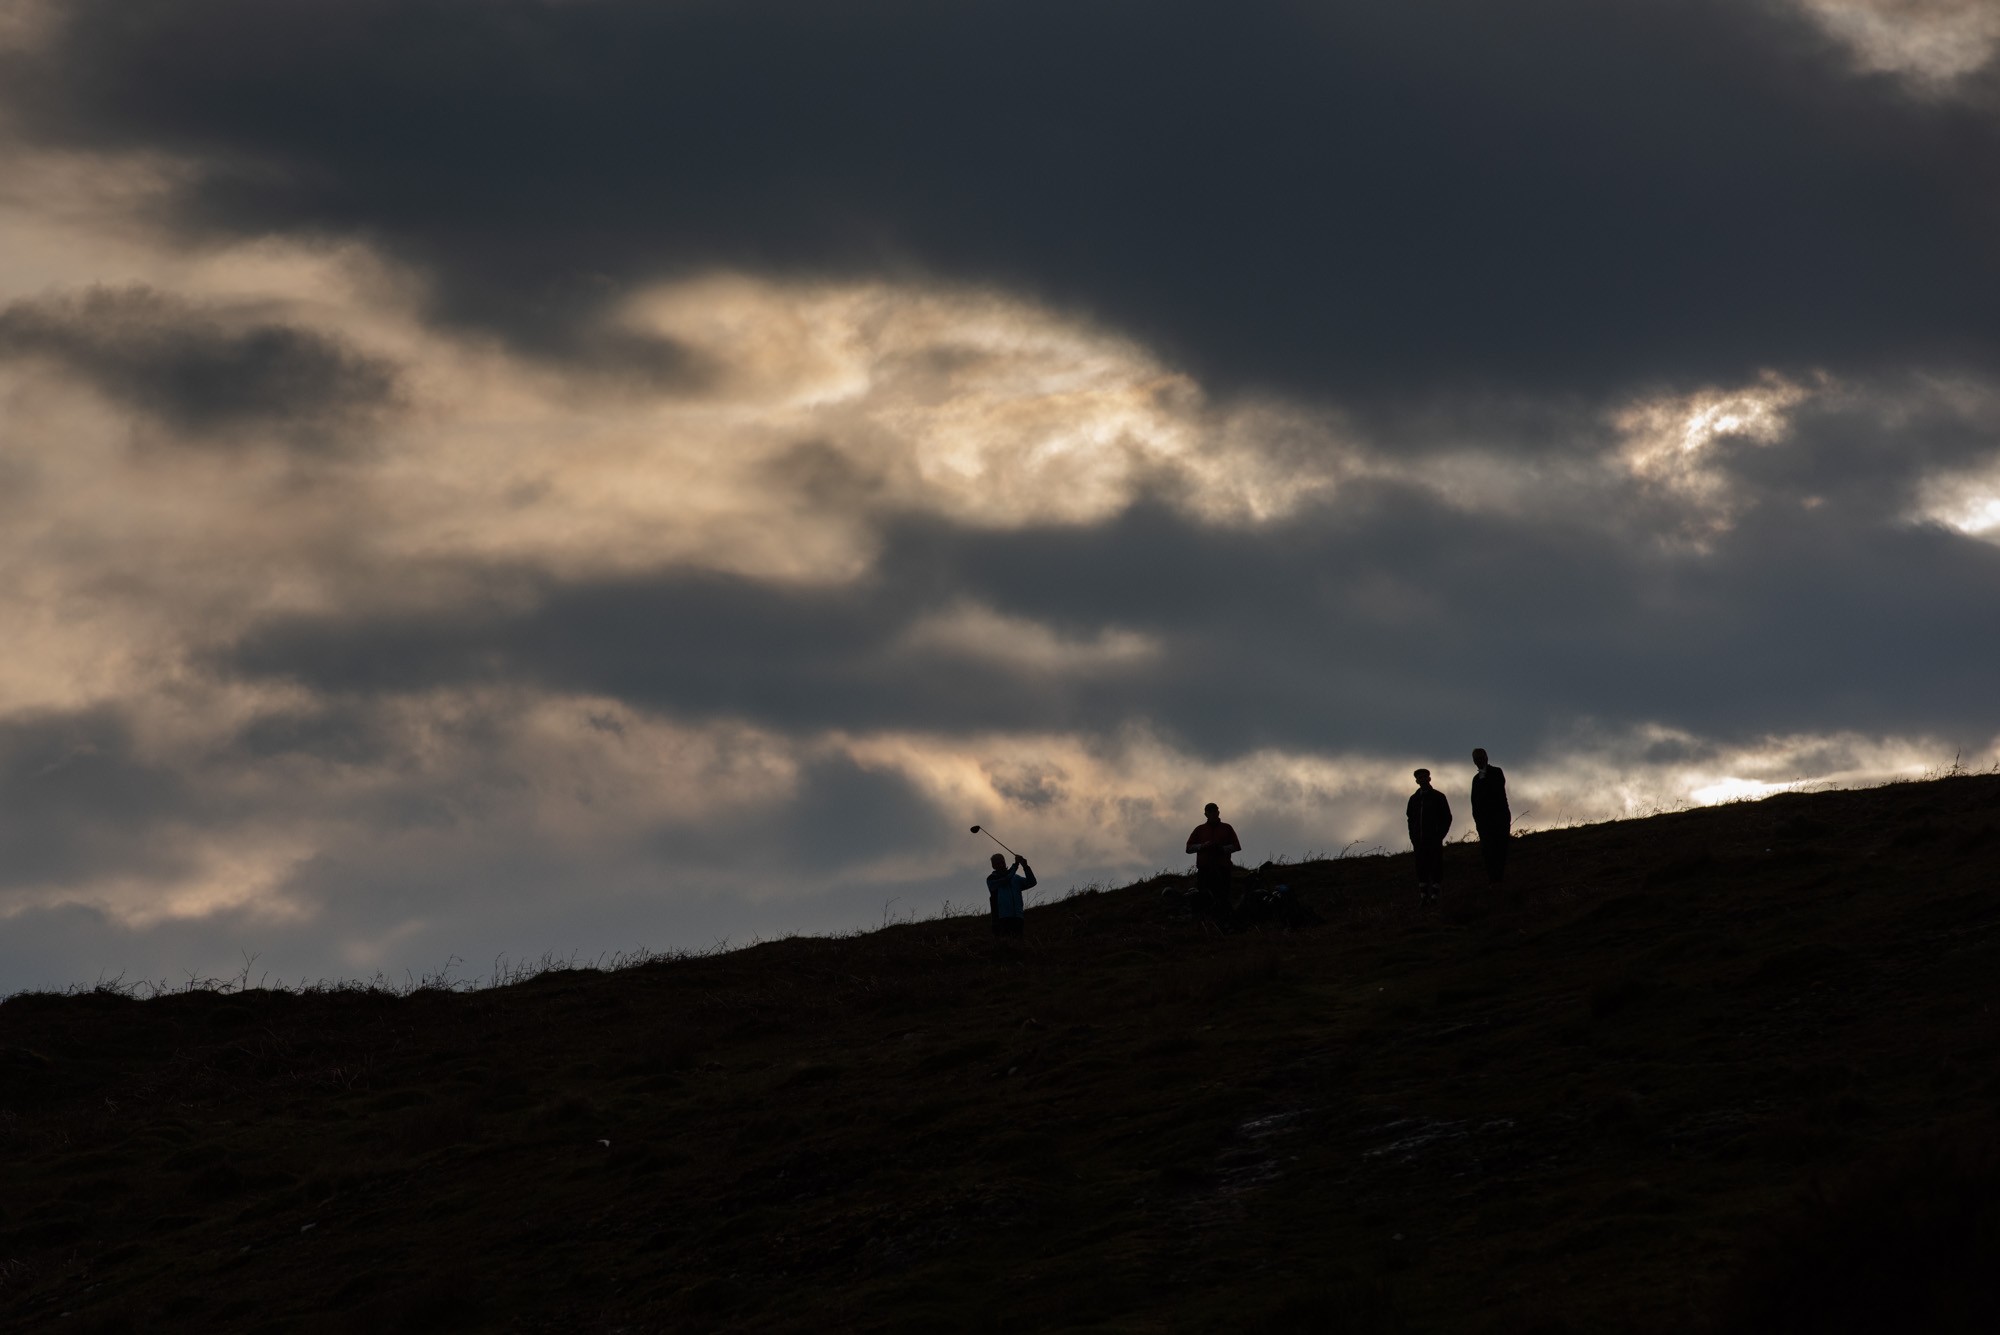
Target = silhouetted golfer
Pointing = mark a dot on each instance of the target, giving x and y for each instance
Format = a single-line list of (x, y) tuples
[(1430, 822), (1491, 815), (1003, 892), (1211, 843)]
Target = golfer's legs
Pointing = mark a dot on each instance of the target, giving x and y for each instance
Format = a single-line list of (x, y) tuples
[(1213, 884)]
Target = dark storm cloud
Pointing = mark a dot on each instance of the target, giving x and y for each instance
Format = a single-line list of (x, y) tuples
[(468, 910), (196, 370), (500, 891), (838, 816), (704, 644), (70, 945), (1392, 620), (338, 734), (1403, 622), (843, 814), (1870, 449), (77, 800), (1359, 199)]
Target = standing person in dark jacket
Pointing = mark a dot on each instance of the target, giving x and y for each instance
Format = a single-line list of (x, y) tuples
[(1430, 821), (1491, 815), (1003, 892), (1212, 843)]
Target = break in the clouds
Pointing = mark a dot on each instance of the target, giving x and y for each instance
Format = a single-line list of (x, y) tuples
[(527, 476)]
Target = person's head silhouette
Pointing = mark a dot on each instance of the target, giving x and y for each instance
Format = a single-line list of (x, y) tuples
[(1423, 778), (1479, 756), (999, 862)]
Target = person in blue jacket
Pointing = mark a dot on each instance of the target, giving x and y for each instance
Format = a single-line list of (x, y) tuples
[(1003, 892)]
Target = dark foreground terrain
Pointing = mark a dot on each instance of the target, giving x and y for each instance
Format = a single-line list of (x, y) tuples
[(1726, 1069)]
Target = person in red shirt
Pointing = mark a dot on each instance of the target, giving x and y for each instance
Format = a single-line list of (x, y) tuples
[(1211, 843)]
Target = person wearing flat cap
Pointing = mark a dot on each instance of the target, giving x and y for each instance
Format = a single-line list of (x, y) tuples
[(1430, 821)]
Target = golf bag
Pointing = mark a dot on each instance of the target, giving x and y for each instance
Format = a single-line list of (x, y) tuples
[(1259, 898), (1265, 899)]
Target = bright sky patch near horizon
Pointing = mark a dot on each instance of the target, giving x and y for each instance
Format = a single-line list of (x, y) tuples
[(551, 477)]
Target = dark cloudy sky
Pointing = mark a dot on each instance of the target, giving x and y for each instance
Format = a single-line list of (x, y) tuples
[(500, 476)]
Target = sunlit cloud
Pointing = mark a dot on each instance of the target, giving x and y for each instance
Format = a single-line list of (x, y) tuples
[(1669, 442), (1967, 502), (831, 410), (834, 409), (974, 632), (1680, 427), (1979, 517), (1655, 767), (1121, 803), (1932, 42), (989, 409), (438, 775), (1732, 789), (24, 24), (464, 777)]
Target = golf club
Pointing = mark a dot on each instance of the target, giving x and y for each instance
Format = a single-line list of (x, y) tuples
[(994, 837)]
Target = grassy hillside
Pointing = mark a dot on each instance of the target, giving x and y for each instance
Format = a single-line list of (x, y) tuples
[(1727, 1068)]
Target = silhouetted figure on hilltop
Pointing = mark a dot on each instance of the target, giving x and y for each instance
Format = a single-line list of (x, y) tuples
[(1491, 815), (1212, 843), (1430, 821), (1003, 893)]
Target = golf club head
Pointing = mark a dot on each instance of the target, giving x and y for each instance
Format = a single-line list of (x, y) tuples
[(975, 829)]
